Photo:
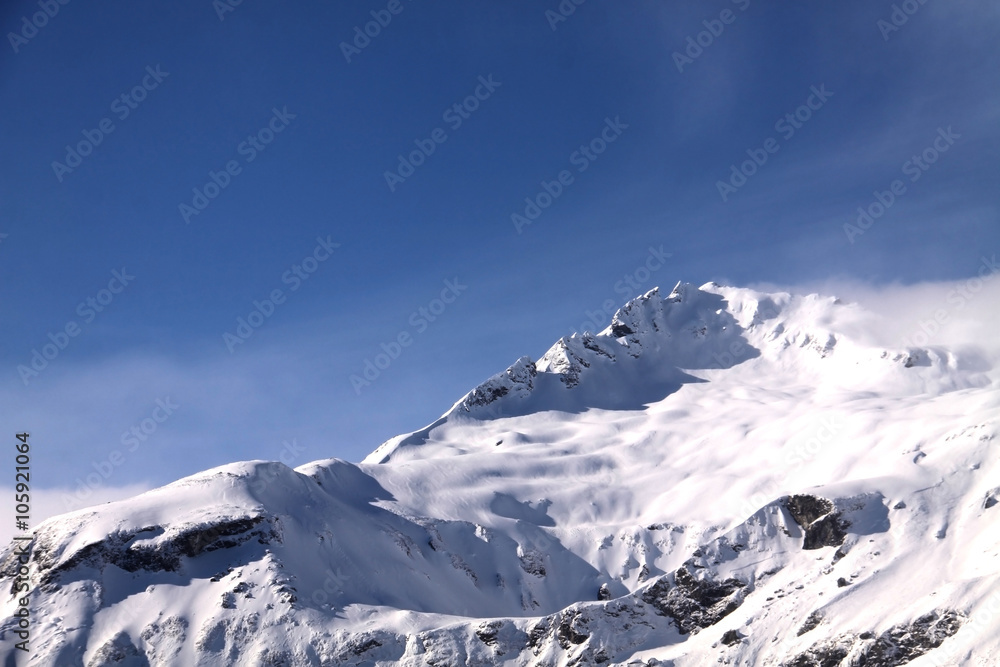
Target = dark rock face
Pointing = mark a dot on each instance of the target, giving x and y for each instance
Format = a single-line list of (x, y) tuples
[(806, 509), (537, 634), (118, 548), (570, 374), (829, 531), (570, 631), (895, 647), (620, 329), (519, 379), (903, 643), (533, 562), (604, 593), (590, 343), (811, 623), (503, 637), (694, 604), (487, 632), (732, 637), (115, 549), (822, 526), (119, 650), (224, 535), (364, 644), (824, 655), (487, 395)]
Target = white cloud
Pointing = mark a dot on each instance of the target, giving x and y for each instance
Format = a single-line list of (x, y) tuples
[(959, 314)]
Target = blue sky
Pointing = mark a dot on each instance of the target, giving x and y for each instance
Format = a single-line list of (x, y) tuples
[(200, 90)]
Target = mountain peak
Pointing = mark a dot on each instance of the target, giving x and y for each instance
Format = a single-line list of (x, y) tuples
[(655, 345), (687, 329), (717, 468)]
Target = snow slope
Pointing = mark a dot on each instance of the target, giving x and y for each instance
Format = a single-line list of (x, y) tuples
[(720, 476)]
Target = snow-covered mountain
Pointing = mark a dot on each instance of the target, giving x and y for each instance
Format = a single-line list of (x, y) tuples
[(721, 476)]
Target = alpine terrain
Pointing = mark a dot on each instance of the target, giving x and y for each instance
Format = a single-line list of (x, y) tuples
[(720, 477)]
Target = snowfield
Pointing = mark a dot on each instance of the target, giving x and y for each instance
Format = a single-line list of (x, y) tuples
[(721, 476)]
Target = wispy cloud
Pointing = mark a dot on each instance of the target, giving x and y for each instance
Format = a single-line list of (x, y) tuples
[(959, 314)]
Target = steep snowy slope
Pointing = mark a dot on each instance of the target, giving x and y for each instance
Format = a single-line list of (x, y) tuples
[(720, 476)]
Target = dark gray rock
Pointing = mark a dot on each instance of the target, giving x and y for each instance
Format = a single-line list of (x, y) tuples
[(827, 654), (830, 531), (895, 647), (570, 631), (118, 549), (732, 637), (119, 651), (811, 623), (904, 643), (822, 526), (538, 633), (693, 603), (487, 632), (807, 509)]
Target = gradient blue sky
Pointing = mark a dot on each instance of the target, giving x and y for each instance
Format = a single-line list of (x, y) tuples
[(323, 175)]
